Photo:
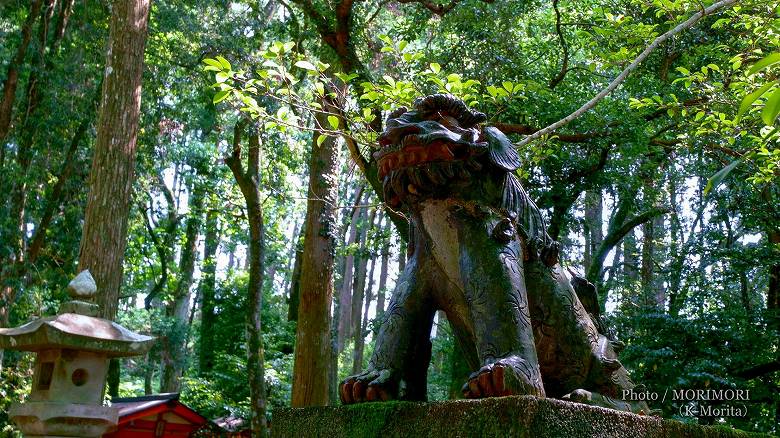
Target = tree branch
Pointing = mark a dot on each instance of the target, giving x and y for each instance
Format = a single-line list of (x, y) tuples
[(565, 64), (514, 128), (624, 74), (614, 236), (759, 370)]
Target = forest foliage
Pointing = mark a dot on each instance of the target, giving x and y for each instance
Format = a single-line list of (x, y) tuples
[(665, 195)]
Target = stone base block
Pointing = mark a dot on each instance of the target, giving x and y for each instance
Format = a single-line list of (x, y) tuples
[(493, 417)]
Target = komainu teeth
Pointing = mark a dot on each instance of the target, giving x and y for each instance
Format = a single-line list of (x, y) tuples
[(397, 181), (387, 189), (460, 170), (473, 164), (446, 169), (414, 177), (433, 173)]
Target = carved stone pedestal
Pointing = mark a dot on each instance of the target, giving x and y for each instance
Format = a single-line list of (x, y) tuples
[(524, 416)]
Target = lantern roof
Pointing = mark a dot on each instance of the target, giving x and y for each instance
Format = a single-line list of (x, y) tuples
[(76, 327), (77, 332)]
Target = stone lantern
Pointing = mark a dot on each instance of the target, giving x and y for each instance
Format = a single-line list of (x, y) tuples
[(72, 349)]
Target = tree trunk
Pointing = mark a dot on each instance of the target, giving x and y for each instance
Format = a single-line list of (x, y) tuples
[(295, 286), (12, 75), (648, 255), (249, 182), (312, 346), (179, 308), (773, 289), (630, 255), (104, 236), (291, 258), (593, 225), (208, 286), (402, 249), (360, 335), (380, 293), (345, 294), (358, 290)]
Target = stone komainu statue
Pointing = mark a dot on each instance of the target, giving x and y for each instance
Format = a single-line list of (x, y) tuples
[(479, 251)]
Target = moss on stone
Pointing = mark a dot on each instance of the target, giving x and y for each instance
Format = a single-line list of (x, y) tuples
[(506, 416)]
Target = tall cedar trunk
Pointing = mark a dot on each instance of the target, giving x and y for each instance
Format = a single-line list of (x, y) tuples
[(676, 245), (177, 338), (26, 135), (249, 182), (361, 296), (345, 293), (630, 256), (360, 338), (6, 109), (148, 374), (312, 346), (12, 75), (359, 277), (609, 281), (291, 259), (659, 290), (208, 286), (594, 233), (381, 293), (295, 285), (104, 236), (773, 289), (646, 271), (165, 246), (51, 203)]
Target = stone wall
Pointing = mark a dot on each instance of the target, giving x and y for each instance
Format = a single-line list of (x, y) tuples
[(493, 417)]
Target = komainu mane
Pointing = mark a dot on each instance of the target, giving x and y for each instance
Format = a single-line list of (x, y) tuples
[(479, 251)]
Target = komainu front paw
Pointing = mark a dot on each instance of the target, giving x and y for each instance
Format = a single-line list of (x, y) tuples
[(508, 376), (372, 385)]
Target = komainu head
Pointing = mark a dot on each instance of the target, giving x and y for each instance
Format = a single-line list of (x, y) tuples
[(441, 149)]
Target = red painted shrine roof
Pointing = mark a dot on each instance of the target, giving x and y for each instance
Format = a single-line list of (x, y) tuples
[(158, 415)]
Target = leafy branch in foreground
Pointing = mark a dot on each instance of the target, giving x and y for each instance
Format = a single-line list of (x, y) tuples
[(690, 22)]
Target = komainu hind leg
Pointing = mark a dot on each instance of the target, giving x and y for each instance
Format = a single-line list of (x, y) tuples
[(398, 367)]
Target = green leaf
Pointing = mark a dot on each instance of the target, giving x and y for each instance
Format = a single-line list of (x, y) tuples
[(716, 179), (220, 96), (213, 63), (750, 98), (772, 58), (334, 122), (402, 45), (306, 65), (223, 62), (436, 68), (321, 139), (771, 108)]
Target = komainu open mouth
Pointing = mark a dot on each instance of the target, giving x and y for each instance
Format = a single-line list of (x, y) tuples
[(412, 154)]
